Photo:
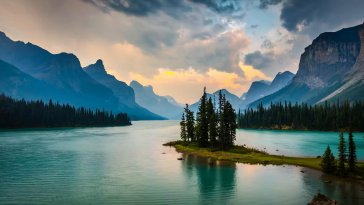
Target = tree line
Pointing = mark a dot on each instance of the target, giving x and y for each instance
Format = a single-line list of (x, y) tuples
[(326, 116), (29, 114), (213, 127), (346, 161)]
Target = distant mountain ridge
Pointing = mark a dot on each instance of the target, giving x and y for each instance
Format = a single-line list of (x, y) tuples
[(63, 76), (233, 99), (330, 69), (165, 106), (259, 89), (121, 90)]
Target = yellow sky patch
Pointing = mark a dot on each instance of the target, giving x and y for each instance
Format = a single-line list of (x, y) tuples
[(186, 85)]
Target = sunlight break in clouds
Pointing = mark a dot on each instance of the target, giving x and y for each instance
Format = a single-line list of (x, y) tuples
[(188, 83)]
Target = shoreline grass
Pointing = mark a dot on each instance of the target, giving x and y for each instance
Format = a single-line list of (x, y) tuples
[(247, 155)]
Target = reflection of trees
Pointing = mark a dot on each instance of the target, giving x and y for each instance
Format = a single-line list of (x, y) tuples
[(215, 182)]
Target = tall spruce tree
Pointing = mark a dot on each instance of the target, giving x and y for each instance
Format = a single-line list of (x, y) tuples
[(183, 128), (352, 153), (221, 121), (342, 155), (202, 122), (190, 124), (328, 161), (230, 124), (212, 120)]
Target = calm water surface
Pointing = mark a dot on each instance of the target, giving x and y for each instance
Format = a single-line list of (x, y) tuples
[(125, 165)]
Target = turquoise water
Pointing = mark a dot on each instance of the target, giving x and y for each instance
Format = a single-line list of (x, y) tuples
[(125, 165), (296, 143)]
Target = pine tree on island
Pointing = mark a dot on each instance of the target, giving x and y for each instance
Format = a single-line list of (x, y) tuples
[(212, 123), (342, 155), (328, 163), (352, 153), (183, 128), (190, 124), (202, 124)]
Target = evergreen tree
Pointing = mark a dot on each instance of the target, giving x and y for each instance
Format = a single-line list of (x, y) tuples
[(211, 118), (221, 121), (183, 128), (202, 125), (342, 155), (231, 124), (328, 161), (190, 124), (352, 153)]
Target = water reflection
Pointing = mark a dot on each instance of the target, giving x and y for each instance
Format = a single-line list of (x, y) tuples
[(216, 180)]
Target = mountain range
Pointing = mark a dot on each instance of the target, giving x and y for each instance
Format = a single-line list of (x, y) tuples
[(165, 106), (259, 89), (32, 72), (330, 69)]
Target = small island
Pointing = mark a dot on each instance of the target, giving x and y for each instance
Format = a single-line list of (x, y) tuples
[(212, 134)]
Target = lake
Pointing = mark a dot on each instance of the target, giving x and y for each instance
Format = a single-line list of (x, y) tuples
[(126, 165)]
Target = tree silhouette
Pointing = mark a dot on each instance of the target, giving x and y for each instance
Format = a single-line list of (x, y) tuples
[(341, 155), (29, 114), (352, 153), (328, 163)]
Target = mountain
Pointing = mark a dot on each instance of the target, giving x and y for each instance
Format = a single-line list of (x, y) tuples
[(62, 71), (259, 89), (330, 69), (65, 79), (233, 99), (121, 90), (18, 84), (165, 106)]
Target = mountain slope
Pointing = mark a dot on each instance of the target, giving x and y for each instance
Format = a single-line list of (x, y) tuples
[(259, 89), (67, 81), (18, 84), (121, 90), (62, 71), (331, 69), (161, 105)]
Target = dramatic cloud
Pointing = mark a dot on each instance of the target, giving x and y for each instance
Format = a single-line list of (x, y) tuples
[(142, 8), (265, 3), (258, 60), (318, 15), (175, 8)]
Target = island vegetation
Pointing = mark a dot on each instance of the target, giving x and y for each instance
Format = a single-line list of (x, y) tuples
[(37, 114), (346, 164), (324, 117), (213, 127), (213, 133)]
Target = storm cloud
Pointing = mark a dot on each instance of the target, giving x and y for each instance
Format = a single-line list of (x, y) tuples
[(174, 8), (264, 4), (316, 16), (258, 60)]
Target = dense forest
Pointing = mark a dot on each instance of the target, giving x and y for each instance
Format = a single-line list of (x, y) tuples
[(213, 127), (326, 117), (29, 114)]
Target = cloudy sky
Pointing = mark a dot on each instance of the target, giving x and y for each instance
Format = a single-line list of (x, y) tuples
[(180, 46)]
